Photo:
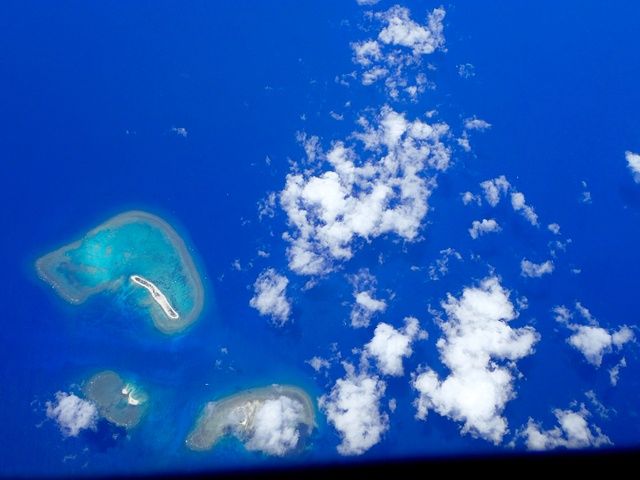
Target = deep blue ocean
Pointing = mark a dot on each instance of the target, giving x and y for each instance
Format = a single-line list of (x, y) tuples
[(90, 93)]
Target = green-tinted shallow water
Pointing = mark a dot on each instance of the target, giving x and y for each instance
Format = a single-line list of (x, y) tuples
[(121, 403), (132, 243)]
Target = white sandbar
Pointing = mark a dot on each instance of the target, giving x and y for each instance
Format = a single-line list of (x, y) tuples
[(157, 295)]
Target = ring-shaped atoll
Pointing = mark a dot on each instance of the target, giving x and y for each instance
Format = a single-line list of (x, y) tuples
[(136, 253)]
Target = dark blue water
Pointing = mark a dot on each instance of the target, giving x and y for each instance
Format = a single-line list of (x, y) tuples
[(90, 94)]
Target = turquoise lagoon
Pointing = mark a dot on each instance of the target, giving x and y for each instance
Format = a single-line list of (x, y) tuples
[(137, 255)]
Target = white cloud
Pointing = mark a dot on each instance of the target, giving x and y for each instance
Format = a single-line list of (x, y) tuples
[(441, 265), (471, 124), (494, 189), (353, 408), (592, 340), (633, 162), (466, 70), (586, 194), (318, 363), (562, 314), (396, 52), (554, 228), (519, 205), (463, 141), (367, 52), (266, 206), (270, 296), (311, 145), (373, 75), (275, 426), (573, 431), (601, 409), (180, 131), (614, 372), (485, 226), (366, 305), (367, 2), (389, 346), (353, 199), (476, 124), (535, 270), (72, 413), (468, 197), (401, 30), (480, 349)]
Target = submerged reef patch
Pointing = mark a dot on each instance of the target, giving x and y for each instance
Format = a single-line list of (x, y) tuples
[(121, 403)]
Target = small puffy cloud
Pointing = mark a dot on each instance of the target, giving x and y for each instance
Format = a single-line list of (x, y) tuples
[(266, 206), (180, 131), (318, 363), (463, 142), (395, 55), (519, 205), (482, 227), (494, 189), (468, 197), (535, 270), (614, 372), (466, 70), (573, 431), (276, 426), (601, 409), (633, 162), (562, 314), (476, 124), (480, 349), (390, 346), (401, 30), (348, 199), (353, 408), (270, 296), (367, 52), (586, 194), (365, 305), (592, 340), (72, 413), (554, 228), (441, 265), (471, 124)]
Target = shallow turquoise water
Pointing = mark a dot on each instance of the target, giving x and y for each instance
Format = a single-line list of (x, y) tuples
[(132, 243)]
